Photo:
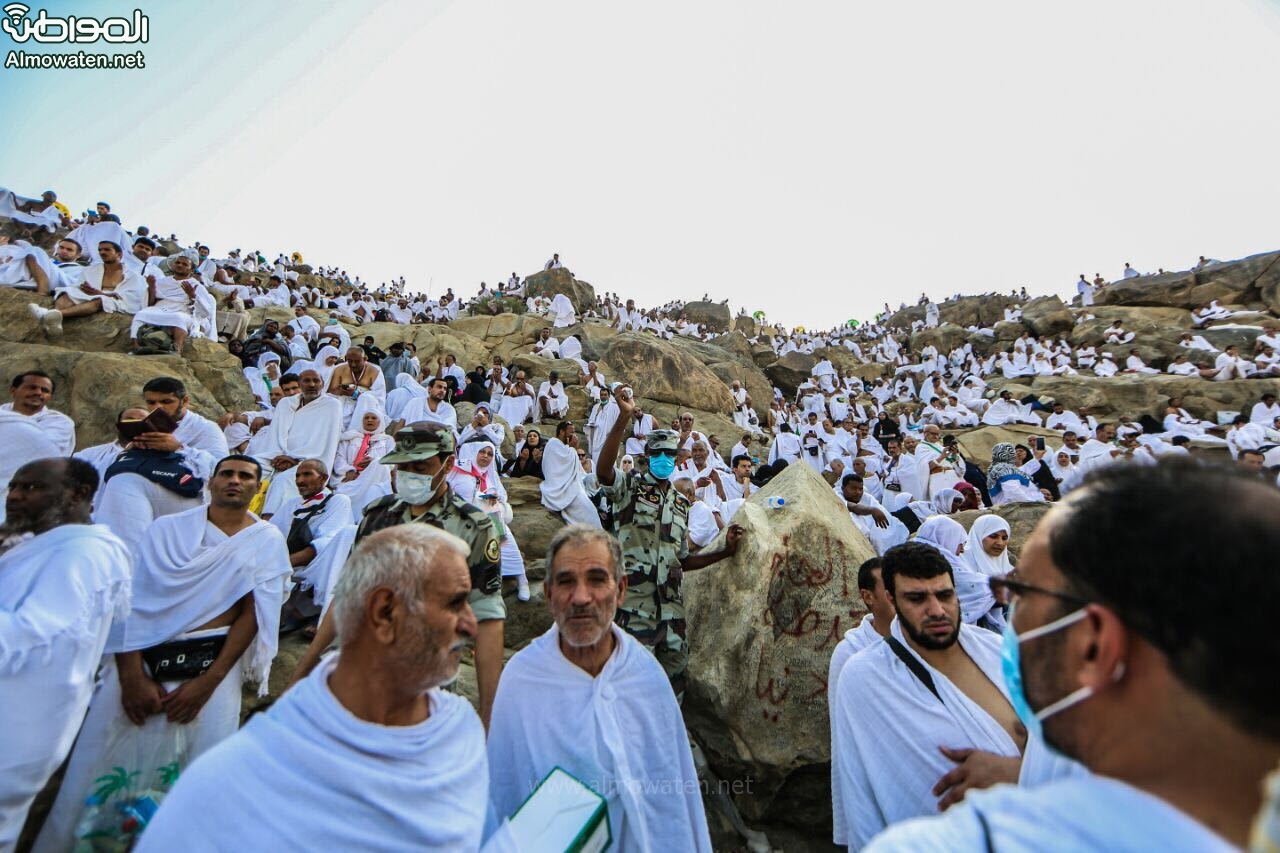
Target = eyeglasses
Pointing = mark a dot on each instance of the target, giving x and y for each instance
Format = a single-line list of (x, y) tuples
[(1009, 588), (669, 453)]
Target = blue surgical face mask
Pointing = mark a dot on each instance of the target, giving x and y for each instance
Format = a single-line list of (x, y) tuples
[(662, 466), (414, 489), (1011, 663)]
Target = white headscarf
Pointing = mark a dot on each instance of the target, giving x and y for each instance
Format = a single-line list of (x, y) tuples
[(974, 554), (945, 500), (366, 404), (946, 535)]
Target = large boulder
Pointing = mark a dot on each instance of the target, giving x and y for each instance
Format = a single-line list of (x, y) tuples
[(506, 335), (659, 370), (92, 387), (713, 315), (966, 311), (550, 282), (1248, 281), (1008, 331), (1046, 315), (593, 335), (945, 337), (762, 627), (976, 443), (433, 342), (1131, 396), (790, 371)]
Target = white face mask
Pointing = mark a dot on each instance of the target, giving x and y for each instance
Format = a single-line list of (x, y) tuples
[(414, 489)]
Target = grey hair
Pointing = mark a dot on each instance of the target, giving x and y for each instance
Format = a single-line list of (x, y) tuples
[(585, 534), (399, 558), (319, 463)]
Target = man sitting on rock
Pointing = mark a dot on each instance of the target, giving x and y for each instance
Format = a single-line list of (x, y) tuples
[(356, 376), (306, 426), (620, 729), (553, 403), (172, 301), (1230, 365), (107, 288), (546, 346), (1007, 410)]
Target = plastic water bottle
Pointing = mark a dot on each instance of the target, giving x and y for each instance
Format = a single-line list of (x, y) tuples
[(775, 502), (88, 823)]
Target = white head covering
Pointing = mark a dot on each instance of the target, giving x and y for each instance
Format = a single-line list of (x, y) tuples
[(366, 404), (945, 499), (945, 534), (978, 559)]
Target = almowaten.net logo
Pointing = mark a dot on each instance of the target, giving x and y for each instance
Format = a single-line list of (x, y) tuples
[(20, 25)]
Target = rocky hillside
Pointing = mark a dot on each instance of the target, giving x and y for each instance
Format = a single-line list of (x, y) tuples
[(762, 626)]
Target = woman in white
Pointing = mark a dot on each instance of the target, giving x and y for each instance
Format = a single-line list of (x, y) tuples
[(475, 479), (976, 600), (1066, 473), (263, 378), (363, 444), (356, 473), (1006, 482), (987, 549)]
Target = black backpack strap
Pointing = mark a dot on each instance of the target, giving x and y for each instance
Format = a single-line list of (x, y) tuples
[(913, 664)]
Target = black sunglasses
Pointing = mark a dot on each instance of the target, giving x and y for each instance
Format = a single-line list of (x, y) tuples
[(669, 453), (1009, 588)]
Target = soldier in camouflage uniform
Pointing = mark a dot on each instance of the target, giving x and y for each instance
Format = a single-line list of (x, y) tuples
[(425, 454), (652, 522)]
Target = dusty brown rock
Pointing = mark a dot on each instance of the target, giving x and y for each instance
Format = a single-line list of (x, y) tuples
[(713, 315), (1130, 396), (550, 282), (1046, 315), (1255, 279), (965, 311), (976, 443), (762, 626), (663, 372), (92, 387), (790, 371), (1008, 331), (945, 337)]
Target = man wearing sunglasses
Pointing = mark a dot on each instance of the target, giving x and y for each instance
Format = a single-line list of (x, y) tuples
[(652, 523), (1146, 652)]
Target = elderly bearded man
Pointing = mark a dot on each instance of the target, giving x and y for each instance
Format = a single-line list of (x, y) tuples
[(618, 728), (367, 751), (62, 581)]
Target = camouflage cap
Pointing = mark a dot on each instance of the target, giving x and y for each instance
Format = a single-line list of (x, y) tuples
[(418, 442), (662, 439)]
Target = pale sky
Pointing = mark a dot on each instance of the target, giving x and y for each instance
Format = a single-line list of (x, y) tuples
[(812, 159)]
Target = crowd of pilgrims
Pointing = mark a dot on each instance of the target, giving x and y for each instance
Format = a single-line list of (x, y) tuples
[(171, 496)]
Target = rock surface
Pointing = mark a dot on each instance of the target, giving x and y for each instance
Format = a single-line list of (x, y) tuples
[(550, 282), (762, 626), (713, 315), (662, 371)]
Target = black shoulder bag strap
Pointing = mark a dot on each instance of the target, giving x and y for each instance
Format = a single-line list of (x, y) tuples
[(913, 664)]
